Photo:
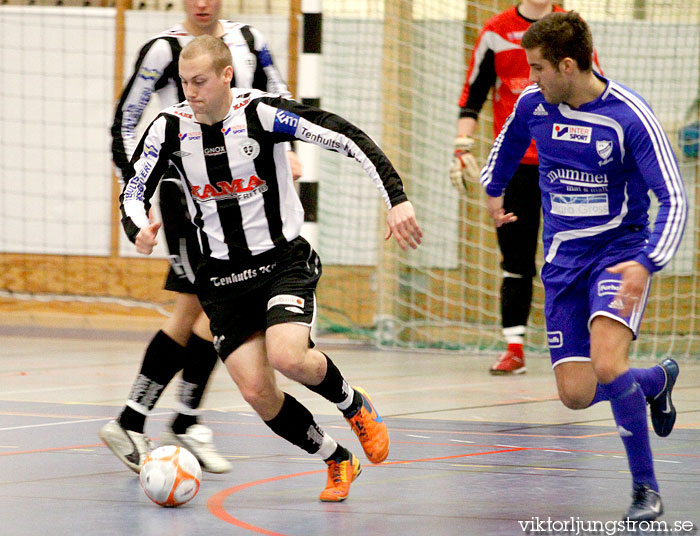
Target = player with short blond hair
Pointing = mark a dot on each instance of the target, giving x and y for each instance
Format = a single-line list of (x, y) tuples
[(258, 276), (184, 341)]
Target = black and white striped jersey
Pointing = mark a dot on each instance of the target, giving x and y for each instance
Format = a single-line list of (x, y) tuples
[(235, 173), (156, 71)]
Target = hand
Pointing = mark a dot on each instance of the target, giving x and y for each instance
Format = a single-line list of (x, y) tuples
[(495, 208), (401, 222), (634, 281), (146, 239), (464, 168), (295, 165)]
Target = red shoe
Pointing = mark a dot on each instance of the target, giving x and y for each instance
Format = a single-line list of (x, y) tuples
[(509, 362), (370, 429), (340, 475)]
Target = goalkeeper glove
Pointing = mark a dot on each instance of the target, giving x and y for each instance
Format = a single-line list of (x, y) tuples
[(464, 167)]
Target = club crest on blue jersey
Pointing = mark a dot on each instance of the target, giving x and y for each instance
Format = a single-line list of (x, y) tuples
[(604, 149), (285, 122)]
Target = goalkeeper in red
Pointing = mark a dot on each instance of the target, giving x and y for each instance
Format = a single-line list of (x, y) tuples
[(601, 150), (498, 62)]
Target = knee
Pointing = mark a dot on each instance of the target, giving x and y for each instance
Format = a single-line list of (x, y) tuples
[(258, 392), (607, 371), (288, 360), (572, 397)]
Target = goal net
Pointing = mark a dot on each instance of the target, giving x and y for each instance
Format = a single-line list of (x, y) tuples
[(393, 67)]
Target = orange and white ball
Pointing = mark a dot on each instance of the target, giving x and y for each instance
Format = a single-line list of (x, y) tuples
[(170, 475)]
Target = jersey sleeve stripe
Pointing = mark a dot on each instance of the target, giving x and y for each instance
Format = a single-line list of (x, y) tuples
[(677, 212)]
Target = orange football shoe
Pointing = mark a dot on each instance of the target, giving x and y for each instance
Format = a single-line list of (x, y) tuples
[(370, 429), (340, 475)]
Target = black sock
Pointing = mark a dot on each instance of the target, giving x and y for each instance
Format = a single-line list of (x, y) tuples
[(163, 359), (182, 422), (340, 454), (296, 424), (354, 407), (516, 296), (132, 420), (199, 364), (333, 387)]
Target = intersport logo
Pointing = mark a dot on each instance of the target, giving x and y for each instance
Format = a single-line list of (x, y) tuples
[(578, 134)]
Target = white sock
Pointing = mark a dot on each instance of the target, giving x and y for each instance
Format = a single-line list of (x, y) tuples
[(328, 446), (349, 397)]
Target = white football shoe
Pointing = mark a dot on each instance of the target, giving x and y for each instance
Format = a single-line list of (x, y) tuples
[(199, 440), (129, 446)]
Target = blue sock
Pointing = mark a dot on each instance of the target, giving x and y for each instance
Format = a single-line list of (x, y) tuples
[(630, 412), (651, 380), (599, 396)]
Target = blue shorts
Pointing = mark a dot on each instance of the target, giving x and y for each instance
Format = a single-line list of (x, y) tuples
[(573, 297)]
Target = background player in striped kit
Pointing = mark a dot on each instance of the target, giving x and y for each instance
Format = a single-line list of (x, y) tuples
[(258, 278), (184, 342), (601, 150)]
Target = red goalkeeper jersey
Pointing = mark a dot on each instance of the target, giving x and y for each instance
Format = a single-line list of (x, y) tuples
[(498, 61)]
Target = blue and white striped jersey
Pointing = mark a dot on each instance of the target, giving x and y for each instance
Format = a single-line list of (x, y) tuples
[(597, 165)]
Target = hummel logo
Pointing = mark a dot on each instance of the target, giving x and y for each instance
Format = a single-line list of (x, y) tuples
[(656, 507), (540, 110)]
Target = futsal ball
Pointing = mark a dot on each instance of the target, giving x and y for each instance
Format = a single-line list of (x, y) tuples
[(170, 475)]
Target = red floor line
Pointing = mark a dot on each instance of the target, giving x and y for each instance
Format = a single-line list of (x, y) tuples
[(215, 503)]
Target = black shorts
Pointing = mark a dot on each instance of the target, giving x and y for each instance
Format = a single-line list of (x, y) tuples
[(184, 253), (243, 297)]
